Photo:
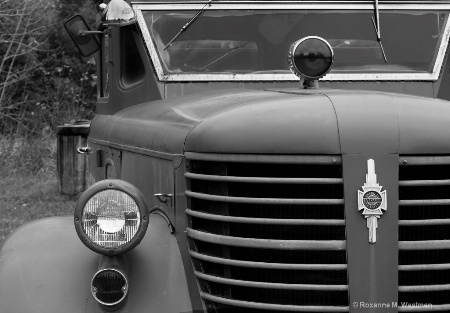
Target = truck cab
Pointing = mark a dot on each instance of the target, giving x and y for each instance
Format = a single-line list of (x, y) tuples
[(254, 156)]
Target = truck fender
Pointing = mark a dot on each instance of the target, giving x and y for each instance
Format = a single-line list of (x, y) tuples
[(44, 267)]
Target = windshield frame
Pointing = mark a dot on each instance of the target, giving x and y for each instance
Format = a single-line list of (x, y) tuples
[(291, 5)]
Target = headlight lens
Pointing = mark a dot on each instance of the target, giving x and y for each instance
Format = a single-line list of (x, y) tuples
[(111, 217)]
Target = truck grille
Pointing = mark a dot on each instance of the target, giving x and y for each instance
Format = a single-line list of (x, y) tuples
[(268, 232), (424, 234)]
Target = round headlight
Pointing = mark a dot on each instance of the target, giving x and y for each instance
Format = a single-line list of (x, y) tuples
[(111, 217), (310, 57)]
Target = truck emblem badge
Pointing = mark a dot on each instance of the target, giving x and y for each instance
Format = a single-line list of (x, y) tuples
[(372, 200)]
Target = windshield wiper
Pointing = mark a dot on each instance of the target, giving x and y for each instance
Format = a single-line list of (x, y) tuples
[(183, 29), (377, 28), (224, 55)]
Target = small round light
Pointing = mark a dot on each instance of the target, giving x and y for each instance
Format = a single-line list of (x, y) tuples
[(109, 287), (110, 217), (310, 57)]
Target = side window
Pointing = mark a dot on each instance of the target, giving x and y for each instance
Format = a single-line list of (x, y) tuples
[(132, 70)]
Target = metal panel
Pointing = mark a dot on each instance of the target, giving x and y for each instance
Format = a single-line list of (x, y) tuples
[(151, 176), (59, 268), (360, 121), (372, 268)]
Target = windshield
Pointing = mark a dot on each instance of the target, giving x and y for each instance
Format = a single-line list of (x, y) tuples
[(257, 41)]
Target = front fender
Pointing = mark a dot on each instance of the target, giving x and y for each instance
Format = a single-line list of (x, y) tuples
[(44, 267)]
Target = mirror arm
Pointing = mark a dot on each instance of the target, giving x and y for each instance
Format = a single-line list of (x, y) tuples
[(92, 32)]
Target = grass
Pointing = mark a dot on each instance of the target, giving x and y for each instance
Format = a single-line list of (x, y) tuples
[(29, 184)]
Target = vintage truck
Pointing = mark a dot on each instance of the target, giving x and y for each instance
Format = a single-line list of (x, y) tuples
[(254, 156)]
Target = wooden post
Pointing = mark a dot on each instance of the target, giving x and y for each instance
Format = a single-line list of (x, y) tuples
[(72, 167)]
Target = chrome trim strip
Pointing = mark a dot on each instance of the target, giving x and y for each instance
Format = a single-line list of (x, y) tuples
[(424, 160), (424, 245), (420, 6), (423, 288), (267, 201), (267, 243), (422, 183), (264, 221), (257, 284), (153, 153), (265, 158), (264, 180), (424, 267), (432, 308), (275, 307), (424, 222), (150, 46), (281, 266), (424, 202)]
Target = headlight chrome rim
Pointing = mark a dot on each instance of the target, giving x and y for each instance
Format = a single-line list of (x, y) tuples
[(112, 185)]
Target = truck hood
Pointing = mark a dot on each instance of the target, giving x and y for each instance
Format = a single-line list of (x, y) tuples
[(282, 122)]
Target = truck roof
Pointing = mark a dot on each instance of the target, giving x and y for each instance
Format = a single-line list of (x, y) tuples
[(281, 1)]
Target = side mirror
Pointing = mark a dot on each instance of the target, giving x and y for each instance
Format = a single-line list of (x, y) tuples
[(118, 13), (82, 36)]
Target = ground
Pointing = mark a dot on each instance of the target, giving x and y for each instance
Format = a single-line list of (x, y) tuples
[(29, 184)]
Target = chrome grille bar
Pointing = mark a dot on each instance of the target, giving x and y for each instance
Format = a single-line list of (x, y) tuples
[(424, 202), (424, 222), (267, 243), (264, 201), (264, 180), (275, 307), (271, 221), (261, 158), (256, 284), (433, 308), (424, 245), (282, 266), (424, 267), (424, 288), (436, 182)]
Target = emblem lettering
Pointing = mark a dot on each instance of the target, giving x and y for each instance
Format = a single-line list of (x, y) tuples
[(372, 201)]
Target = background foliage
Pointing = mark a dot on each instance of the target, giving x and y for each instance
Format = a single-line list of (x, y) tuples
[(44, 82)]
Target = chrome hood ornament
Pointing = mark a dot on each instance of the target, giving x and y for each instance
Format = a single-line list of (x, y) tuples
[(372, 200)]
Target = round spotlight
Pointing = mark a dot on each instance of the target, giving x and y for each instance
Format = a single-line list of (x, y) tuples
[(109, 287), (310, 57), (111, 217)]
